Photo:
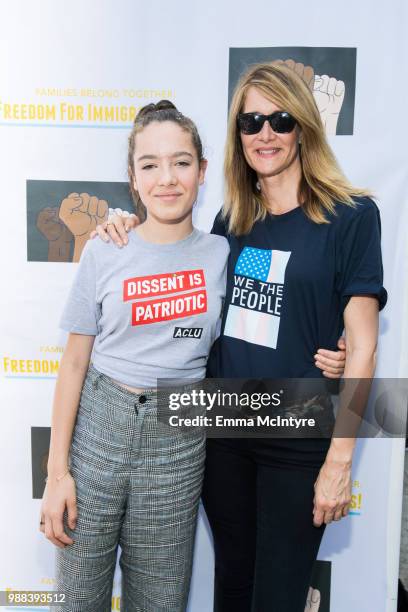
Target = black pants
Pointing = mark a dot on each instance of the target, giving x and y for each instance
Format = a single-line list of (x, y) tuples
[(258, 496)]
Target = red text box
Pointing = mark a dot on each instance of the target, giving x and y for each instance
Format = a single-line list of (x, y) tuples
[(169, 308), (162, 284)]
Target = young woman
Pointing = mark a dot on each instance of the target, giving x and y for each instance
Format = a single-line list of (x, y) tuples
[(297, 228), (123, 479)]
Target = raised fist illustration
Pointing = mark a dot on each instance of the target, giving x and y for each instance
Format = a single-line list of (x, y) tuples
[(81, 213), (305, 72), (56, 232), (313, 600), (329, 93)]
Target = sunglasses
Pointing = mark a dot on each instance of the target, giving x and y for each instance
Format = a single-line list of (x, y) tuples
[(252, 123)]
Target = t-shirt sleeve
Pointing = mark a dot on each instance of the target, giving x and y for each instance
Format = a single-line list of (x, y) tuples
[(81, 312), (360, 267), (219, 226)]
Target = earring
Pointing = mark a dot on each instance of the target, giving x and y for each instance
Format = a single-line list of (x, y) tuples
[(258, 185)]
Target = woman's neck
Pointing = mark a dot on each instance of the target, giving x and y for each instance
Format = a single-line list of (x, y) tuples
[(281, 191), (158, 232)]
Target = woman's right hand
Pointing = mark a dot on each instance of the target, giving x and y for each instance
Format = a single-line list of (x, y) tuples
[(57, 496), (117, 228)]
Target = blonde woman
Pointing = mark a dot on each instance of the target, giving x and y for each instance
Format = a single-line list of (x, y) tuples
[(299, 230)]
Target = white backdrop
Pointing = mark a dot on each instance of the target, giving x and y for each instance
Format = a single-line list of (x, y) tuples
[(125, 54)]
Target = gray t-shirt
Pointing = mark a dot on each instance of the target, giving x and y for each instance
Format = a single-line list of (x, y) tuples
[(154, 308)]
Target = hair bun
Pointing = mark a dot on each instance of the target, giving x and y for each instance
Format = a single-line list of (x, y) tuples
[(153, 108), (165, 104)]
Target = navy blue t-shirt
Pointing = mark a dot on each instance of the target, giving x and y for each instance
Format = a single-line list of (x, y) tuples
[(289, 281)]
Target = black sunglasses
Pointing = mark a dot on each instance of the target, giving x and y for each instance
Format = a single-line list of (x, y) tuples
[(252, 123)]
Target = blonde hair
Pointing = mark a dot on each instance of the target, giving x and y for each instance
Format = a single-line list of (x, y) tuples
[(322, 184)]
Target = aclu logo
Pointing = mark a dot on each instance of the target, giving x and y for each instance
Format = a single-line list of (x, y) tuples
[(187, 332)]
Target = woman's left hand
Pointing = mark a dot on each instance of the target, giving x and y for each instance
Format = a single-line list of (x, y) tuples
[(332, 491)]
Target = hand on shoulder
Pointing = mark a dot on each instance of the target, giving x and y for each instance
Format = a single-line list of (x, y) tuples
[(116, 229)]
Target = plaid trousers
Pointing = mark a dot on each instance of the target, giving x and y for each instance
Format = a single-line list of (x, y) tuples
[(137, 485)]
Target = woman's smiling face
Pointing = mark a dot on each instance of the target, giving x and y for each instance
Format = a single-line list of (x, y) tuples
[(167, 171), (268, 152)]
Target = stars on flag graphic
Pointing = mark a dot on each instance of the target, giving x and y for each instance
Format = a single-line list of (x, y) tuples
[(262, 264)]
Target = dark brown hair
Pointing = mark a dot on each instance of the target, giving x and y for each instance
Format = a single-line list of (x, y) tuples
[(164, 110)]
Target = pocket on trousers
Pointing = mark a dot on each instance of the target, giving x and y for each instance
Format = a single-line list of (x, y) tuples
[(87, 399), (108, 426), (85, 413)]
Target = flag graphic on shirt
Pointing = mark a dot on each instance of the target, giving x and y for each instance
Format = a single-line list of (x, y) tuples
[(255, 308)]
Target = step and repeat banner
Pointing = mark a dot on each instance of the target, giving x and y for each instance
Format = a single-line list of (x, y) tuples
[(73, 75)]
